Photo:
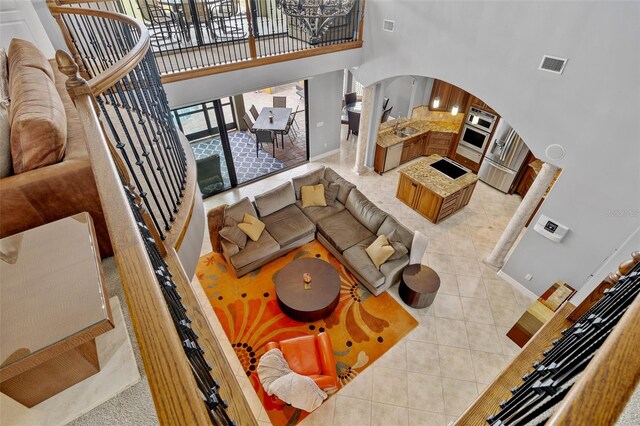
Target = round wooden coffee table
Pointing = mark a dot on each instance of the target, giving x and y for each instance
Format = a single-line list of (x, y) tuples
[(313, 304), (419, 286)]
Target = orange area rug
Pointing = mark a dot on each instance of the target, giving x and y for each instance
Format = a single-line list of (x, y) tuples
[(362, 328)]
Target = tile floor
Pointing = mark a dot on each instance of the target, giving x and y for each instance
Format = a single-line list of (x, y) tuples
[(433, 374)]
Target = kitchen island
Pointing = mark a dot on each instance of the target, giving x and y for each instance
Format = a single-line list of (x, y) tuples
[(432, 193), (427, 133)]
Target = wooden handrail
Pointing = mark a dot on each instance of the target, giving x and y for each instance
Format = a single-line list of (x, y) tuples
[(266, 60), (100, 83), (174, 389), (175, 392), (252, 61)]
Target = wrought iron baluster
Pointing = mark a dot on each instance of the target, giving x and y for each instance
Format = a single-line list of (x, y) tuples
[(208, 386)]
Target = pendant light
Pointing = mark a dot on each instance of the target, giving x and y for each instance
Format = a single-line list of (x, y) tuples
[(436, 101), (455, 108)]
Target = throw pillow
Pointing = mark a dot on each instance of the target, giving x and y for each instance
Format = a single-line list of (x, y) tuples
[(399, 248), (38, 120), (24, 54), (251, 226), (330, 191), (233, 234), (313, 196), (379, 251)]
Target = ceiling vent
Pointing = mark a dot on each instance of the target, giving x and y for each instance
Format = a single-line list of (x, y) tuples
[(388, 25), (553, 64)]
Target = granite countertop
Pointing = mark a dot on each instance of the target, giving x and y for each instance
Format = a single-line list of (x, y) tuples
[(422, 119), (434, 180), (386, 138)]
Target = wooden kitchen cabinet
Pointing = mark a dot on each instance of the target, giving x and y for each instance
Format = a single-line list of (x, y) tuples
[(412, 149), (424, 199), (449, 95), (438, 143), (477, 102), (379, 160), (526, 181), (407, 190)]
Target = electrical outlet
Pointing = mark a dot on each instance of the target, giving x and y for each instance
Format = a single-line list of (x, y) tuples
[(325, 144), (320, 124), (528, 277)]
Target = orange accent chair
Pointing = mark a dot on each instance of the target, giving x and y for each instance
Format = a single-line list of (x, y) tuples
[(311, 356)]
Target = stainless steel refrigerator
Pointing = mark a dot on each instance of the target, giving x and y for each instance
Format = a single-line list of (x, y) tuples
[(503, 158)]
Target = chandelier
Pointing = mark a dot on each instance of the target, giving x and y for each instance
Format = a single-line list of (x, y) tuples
[(315, 16)]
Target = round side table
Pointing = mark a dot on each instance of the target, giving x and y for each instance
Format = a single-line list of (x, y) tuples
[(419, 286)]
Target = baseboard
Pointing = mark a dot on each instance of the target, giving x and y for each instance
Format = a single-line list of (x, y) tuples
[(324, 155), (516, 284)]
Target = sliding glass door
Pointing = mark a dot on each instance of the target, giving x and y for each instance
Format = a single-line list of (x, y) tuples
[(223, 135), (201, 126)]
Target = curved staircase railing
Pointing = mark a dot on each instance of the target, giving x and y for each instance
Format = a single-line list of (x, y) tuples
[(146, 182)]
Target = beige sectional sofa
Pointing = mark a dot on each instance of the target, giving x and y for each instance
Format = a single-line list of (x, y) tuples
[(346, 228)]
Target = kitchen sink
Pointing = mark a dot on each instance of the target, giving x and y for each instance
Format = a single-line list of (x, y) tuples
[(406, 131)]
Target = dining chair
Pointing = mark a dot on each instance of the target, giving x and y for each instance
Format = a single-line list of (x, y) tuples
[(226, 11), (156, 17), (265, 136), (354, 123), (385, 115), (287, 132), (254, 112), (350, 98), (248, 123), (292, 118), (279, 101), (204, 19)]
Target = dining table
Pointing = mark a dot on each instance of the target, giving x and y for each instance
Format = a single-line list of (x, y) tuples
[(279, 122)]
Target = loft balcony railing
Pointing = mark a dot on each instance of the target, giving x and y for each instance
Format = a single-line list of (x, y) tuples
[(146, 182), (191, 38)]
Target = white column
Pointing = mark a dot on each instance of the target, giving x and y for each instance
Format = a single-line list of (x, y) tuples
[(524, 211), (363, 131)]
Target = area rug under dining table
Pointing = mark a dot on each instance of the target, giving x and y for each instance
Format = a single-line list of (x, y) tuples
[(362, 327)]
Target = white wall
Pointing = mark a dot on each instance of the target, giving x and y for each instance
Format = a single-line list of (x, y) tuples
[(191, 91), (493, 49), (398, 90), (50, 25), (622, 254), (325, 107), (18, 19)]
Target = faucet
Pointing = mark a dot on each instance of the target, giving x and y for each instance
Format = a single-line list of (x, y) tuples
[(398, 123)]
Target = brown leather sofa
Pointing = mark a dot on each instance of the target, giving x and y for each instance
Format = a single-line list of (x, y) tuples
[(53, 191)]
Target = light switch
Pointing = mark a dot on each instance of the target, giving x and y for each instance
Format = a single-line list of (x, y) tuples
[(320, 124)]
